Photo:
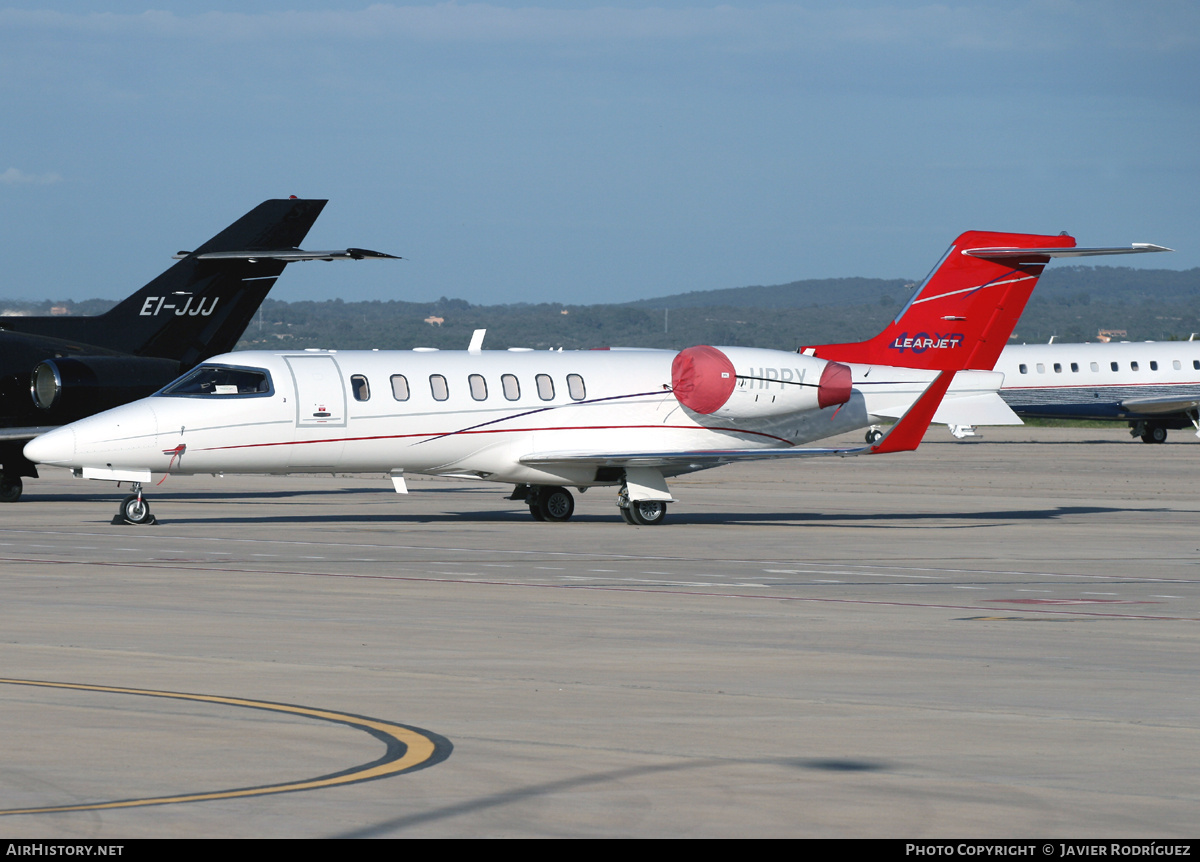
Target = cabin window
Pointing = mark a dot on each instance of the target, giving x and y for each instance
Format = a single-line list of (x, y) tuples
[(1196, 364), (1058, 368), (1023, 368), (478, 387), (1041, 368), (545, 387), (1133, 366), (1153, 365), (437, 385), (1115, 366), (360, 387), (512, 386), (1175, 364), (221, 380), (1095, 366), (399, 387), (1074, 367), (575, 387)]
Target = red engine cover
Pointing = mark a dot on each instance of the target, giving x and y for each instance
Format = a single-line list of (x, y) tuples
[(835, 385), (703, 378)]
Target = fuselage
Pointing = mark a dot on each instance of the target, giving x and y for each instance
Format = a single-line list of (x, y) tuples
[(1100, 380), (454, 413)]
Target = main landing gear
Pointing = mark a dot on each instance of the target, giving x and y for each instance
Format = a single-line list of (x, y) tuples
[(555, 504), (10, 489), (1150, 432), (641, 513), (134, 509), (546, 502)]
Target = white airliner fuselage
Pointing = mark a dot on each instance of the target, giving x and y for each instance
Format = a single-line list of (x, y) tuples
[(1153, 385)]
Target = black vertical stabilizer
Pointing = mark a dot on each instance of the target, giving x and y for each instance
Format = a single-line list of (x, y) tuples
[(197, 308)]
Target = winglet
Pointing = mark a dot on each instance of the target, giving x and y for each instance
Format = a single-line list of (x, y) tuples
[(906, 434)]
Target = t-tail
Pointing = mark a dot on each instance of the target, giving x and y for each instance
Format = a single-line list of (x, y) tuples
[(201, 305), (963, 313)]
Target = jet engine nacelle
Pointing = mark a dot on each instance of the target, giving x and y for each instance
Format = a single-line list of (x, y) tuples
[(751, 383), (72, 387)]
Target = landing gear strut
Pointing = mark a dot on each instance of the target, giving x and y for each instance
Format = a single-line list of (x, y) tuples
[(134, 509)]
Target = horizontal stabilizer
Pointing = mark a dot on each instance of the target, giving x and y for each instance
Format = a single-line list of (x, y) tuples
[(1005, 253), (291, 255), (975, 408)]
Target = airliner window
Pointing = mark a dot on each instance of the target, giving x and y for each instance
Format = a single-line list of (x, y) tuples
[(1196, 364), (399, 387), (1074, 367), (478, 387), (1041, 368), (221, 380), (1024, 368), (1114, 366), (575, 387), (437, 385), (545, 387), (512, 387), (1153, 365), (1095, 366), (1133, 366), (1058, 368), (360, 387), (1175, 364)]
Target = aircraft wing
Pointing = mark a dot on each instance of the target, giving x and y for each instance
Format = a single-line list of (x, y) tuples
[(687, 460), (1165, 404), (8, 434), (905, 435)]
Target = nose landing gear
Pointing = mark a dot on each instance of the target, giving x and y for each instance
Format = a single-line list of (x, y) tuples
[(134, 509)]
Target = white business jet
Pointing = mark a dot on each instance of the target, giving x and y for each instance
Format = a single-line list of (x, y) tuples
[(1152, 385), (545, 421)]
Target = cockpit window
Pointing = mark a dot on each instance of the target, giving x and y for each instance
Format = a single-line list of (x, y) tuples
[(220, 380)]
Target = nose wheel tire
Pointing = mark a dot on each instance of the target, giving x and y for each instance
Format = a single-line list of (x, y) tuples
[(135, 510)]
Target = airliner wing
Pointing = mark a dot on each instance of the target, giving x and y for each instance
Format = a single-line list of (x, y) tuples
[(1166, 404), (905, 435)]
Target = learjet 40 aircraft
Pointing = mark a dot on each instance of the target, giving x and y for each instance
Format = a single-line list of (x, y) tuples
[(544, 421)]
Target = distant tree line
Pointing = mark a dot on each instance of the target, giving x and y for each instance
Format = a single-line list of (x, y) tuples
[(1071, 303)]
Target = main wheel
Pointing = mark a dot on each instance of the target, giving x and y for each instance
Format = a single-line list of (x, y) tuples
[(647, 513), (554, 504), (874, 435), (10, 489), (1154, 434), (135, 510)]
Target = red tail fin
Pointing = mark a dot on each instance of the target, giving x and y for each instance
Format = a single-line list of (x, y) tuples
[(963, 313)]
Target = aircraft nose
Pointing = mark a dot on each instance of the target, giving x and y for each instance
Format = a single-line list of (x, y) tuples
[(53, 447)]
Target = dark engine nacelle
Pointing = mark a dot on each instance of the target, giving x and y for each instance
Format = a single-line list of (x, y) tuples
[(751, 383), (72, 387)]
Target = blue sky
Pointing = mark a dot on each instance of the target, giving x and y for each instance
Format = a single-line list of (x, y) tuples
[(582, 153)]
